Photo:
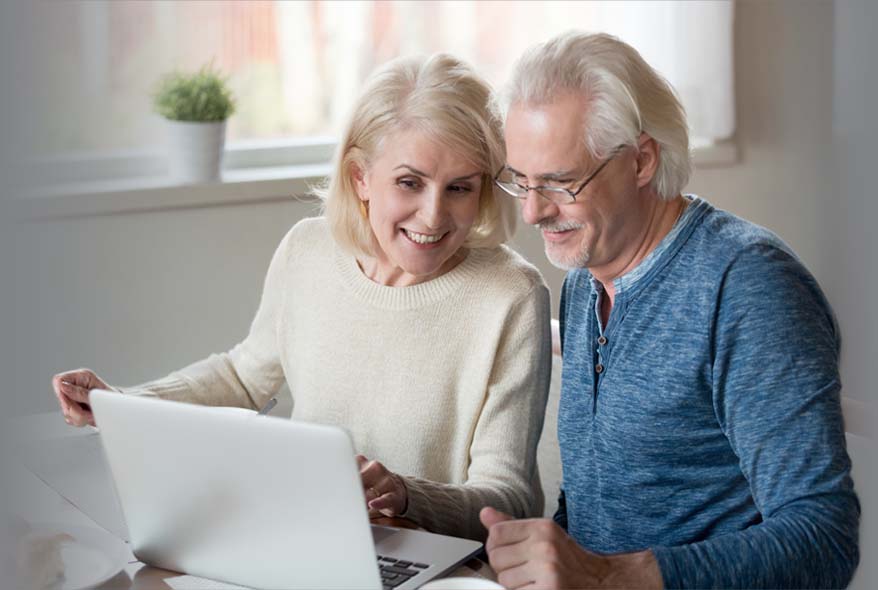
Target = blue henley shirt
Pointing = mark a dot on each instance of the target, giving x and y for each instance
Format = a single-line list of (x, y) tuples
[(704, 420)]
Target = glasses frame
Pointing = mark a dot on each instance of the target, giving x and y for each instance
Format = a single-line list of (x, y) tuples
[(555, 190)]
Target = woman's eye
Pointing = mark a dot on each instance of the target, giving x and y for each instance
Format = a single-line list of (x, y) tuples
[(460, 188), (408, 183)]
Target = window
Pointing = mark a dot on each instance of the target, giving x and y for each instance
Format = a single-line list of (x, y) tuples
[(296, 67)]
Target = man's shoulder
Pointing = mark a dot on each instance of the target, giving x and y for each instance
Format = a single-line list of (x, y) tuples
[(723, 239), (749, 263)]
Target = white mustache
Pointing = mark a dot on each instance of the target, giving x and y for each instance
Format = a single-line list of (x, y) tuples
[(559, 227)]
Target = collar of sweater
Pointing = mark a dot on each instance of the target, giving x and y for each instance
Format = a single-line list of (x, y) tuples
[(460, 277)]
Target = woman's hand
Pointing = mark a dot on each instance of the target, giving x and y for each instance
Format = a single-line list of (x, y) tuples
[(71, 389), (386, 493)]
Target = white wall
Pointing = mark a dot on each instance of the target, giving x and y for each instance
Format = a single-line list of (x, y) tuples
[(136, 295), (851, 211)]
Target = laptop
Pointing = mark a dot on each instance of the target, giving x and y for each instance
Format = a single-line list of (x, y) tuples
[(264, 502)]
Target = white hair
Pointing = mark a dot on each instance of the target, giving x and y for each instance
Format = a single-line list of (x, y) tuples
[(625, 95)]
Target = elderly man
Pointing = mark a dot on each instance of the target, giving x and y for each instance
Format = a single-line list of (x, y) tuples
[(700, 424)]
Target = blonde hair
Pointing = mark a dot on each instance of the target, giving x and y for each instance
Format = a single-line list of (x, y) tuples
[(626, 96), (443, 97)]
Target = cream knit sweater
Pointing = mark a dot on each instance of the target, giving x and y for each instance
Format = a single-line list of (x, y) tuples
[(444, 382)]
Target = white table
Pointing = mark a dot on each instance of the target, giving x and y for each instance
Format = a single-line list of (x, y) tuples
[(35, 501)]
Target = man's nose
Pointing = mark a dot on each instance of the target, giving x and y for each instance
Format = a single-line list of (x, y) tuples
[(536, 208)]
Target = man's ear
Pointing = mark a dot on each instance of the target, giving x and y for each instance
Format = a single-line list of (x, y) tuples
[(647, 159), (361, 183)]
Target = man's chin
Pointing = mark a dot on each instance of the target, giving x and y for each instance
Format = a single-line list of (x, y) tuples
[(567, 261)]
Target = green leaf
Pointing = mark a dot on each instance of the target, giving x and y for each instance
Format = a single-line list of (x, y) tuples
[(202, 96)]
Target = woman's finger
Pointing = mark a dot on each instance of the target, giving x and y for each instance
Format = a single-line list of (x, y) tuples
[(75, 392), (372, 473), (388, 504), (86, 418), (76, 415), (81, 377), (388, 483), (62, 399), (75, 412)]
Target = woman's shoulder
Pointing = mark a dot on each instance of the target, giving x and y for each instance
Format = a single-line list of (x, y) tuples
[(310, 232), (307, 239), (310, 228), (508, 270)]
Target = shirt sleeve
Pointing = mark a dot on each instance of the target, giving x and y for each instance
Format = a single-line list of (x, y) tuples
[(249, 374), (503, 470), (776, 393)]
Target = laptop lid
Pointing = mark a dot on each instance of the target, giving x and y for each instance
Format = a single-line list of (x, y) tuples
[(252, 500), (259, 501)]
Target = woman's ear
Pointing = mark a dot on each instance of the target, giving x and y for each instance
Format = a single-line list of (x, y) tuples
[(647, 159), (361, 182)]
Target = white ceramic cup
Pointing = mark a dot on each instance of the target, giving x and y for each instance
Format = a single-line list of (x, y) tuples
[(462, 583)]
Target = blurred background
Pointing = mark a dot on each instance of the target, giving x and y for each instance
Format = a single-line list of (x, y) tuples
[(296, 67), (109, 264)]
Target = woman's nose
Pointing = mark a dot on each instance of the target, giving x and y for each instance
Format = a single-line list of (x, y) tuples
[(432, 211)]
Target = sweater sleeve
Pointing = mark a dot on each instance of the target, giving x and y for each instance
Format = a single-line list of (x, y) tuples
[(776, 395), (502, 472), (560, 516), (247, 375)]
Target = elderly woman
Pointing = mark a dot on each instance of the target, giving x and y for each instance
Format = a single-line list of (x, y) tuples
[(400, 316)]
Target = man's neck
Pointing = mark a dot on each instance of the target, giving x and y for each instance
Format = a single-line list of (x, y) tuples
[(658, 224)]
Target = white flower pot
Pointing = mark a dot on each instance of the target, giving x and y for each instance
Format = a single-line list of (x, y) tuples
[(195, 150)]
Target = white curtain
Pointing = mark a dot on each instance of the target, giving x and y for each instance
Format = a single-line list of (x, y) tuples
[(689, 42)]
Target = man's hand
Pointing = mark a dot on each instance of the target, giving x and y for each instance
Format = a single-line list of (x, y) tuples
[(539, 554)]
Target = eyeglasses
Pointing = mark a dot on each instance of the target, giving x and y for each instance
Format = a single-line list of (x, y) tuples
[(506, 180)]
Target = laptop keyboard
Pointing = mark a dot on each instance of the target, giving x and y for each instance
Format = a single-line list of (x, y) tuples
[(398, 571)]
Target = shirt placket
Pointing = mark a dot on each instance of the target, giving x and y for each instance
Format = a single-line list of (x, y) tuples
[(600, 343)]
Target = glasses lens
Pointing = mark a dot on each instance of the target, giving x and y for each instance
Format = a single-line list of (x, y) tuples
[(556, 195), (507, 181), (512, 189), (513, 185)]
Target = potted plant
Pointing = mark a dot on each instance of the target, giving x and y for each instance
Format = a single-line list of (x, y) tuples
[(195, 106)]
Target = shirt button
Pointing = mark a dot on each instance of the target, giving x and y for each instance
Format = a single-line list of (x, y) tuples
[(598, 368), (602, 340)]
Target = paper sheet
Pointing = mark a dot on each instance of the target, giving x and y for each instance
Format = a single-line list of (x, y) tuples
[(75, 467)]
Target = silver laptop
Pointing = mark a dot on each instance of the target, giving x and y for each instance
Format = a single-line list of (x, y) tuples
[(253, 500)]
